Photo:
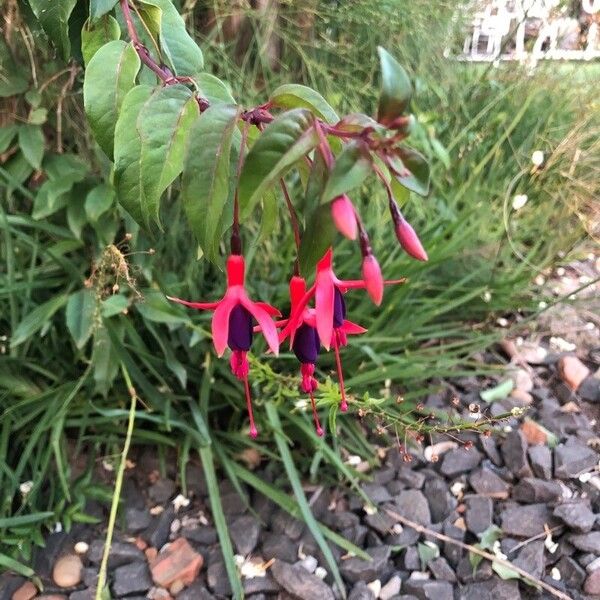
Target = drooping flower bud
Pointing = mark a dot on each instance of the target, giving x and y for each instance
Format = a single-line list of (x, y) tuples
[(371, 273), (409, 240), (342, 212)]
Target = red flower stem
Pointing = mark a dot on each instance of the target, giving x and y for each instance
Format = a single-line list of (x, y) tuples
[(324, 147), (163, 74), (318, 427), (393, 205), (236, 239), (253, 430), (338, 362)]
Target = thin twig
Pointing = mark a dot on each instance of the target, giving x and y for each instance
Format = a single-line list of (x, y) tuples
[(535, 537), (505, 563)]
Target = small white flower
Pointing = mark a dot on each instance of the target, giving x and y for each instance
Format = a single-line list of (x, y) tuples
[(537, 158), (26, 487), (542, 304), (502, 322), (301, 404), (353, 460), (487, 296), (540, 280), (519, 201), (517, 411), (320, 572)]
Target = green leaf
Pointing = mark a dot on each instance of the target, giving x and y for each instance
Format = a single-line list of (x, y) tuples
[(396, 89), (498, 392), (105, 360), (76, 217), (12, 81), (207, 189), (315, 185), (181, 52), (292, 95), (52, 196), (53, 16), (31, 142), (98, 8), (427, 552), (38, 116), (7, 135), (14, 565), (80, 314), (36, 319), (158, 309), (114, 305), (213, 89), (318, 236), (351, 168), (96, 34), (110, 74), (214, 495), (20, 520), (356, 122), (503, 571), (128, 148), (268, 214), (411, 169), (164, 123), (98, 201), (294, 479), (283, 142), (488, 537)]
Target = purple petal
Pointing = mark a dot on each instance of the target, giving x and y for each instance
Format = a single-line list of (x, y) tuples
[(240, 329)]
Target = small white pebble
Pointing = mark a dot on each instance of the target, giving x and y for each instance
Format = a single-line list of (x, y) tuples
[(107, 466), (157, 510), (419, 576), (507, 429), (353, 460), (585, 477), (375, 587), (542, 304), (540, 280), (397, 529), (502, 322), (487, 296), (81, 547), (175, 526), (180, 501), (309, 563), (555, 574), (320, 572), (370, 509), (457, 489), (560, 271)]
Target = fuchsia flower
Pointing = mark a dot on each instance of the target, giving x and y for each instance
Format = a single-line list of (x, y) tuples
[(328, 318), (232, 324), (344, 217), (409, 240)]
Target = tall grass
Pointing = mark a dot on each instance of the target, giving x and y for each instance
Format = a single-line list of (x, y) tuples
[(64, 407)]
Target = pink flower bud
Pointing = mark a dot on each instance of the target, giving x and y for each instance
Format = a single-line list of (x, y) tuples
[(410, 241), (342, 212), (372, 278)]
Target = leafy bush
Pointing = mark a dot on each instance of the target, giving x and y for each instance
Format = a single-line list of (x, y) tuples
[(82, 287)]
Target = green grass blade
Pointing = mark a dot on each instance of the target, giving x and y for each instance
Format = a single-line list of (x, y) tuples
[(214, 494), (294, 478)]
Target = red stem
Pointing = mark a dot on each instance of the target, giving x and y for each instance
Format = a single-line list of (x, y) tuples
[(318, 427)]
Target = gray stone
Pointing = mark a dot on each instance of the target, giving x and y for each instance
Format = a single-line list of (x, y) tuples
[(573, 458), (283, 522), (217, 579), (531, 558), (162, 491), (121, 553), (570, 572), (526, 521), (9, 584), (429, 590), (360, 591), (356, 569), (384, 475), (460, 461), (88, 594), (137, 519), (377, 493), (410, 478), (576, 515), (493, 589), (479, 513), (204, 535), (592, 583), (260, 585), (441, 502), (587, 542), (411, 559), (275, 545), (540, 458), (158, 533), (131, 579), (514, 452), (412, 505), (295, 580), (589, 389), (381, 521), (485, 482), (531, 490), (441, 570), (466, 574), (233, 504), (195, 591), (490, 447), (451, 551), (244, 532)]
